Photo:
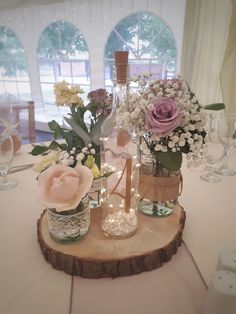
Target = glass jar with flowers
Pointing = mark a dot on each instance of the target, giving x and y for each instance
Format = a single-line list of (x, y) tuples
[(63, 190), (170, 122), (79, 142)]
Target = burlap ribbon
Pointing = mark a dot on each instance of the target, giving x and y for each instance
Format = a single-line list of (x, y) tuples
[(160, 188)]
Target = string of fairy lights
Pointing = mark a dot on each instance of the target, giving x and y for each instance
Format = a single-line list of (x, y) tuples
[(28, 23), (72, 9)]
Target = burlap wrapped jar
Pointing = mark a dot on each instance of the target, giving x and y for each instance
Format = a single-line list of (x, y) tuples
[(159, 194)]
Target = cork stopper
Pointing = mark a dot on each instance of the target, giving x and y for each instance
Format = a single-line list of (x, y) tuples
[(121, 64)]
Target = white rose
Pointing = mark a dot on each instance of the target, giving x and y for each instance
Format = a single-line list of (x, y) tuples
[(63, 187)]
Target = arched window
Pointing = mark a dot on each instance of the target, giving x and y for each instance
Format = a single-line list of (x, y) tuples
[(62, 55), (14, 77), (151, 46)]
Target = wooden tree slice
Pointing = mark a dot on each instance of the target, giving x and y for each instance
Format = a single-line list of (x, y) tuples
[(96, 256)]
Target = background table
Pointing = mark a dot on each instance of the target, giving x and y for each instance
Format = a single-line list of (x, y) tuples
[(211, 217), (28, 284)]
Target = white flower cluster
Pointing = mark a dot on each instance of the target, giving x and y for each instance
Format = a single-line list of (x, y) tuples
[(86, 157), (68, 96), (188, 137), (73, 158)]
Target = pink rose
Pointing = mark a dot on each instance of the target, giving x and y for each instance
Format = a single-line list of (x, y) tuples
[(163, 116), (62, 187)]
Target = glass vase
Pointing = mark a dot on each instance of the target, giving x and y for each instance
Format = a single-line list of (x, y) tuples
[(94, 194), (69, 226), (159, 187)]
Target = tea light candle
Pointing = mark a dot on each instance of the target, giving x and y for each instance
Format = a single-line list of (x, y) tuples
[(227, 260), (221, 295)]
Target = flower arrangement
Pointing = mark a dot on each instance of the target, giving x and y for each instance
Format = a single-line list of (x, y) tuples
[(169, 120), (82, 139)]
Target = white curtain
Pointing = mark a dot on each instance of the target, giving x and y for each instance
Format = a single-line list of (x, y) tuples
[(12, 4), (205, 36), (228, 72)]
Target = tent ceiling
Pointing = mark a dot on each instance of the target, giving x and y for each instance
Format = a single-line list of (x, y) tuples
[(13, 4)]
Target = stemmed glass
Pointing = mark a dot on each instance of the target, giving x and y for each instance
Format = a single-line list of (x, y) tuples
[(226, 130), (214, 152), (6, 157)]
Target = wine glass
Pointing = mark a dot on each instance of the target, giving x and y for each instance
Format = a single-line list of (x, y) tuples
[(196, 163), (6, 157), (226, 130), (214, 152)]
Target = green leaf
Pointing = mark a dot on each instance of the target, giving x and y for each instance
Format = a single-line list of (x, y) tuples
[(79, 131), (215, 106), (54, 144), (38, 150), (69, 140), (78, 117), (63, 146), (105, 175), (96, 130), (98, 160), (55, 127), (77, 141), (170, 160)]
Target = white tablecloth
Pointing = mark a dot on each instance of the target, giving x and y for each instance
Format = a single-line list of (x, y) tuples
[(28, 284), (211, 217)]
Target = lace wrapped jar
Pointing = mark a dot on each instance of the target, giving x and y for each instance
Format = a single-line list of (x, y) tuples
[(70, 225)]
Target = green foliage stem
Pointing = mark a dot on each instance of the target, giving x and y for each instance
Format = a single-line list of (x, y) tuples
[(170, 160), (215, 106)]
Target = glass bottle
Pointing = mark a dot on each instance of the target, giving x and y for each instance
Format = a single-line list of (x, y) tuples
[(119, 161)]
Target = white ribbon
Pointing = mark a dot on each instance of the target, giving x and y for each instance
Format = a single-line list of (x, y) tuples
[(8, 127)]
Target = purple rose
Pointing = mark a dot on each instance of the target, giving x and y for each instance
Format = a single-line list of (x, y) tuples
[(163, 116)]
